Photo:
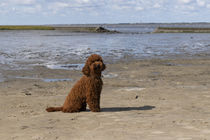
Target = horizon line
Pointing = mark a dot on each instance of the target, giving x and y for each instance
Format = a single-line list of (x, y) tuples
[(108, 23)]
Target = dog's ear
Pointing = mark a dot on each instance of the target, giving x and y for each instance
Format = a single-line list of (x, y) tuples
[(86, 70)]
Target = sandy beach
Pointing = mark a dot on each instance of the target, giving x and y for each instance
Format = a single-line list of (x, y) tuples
[(142, 99)]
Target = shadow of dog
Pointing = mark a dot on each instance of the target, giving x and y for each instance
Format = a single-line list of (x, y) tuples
[(119, 109)]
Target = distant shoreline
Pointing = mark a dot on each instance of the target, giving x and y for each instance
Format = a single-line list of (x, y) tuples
[(26, 27), (104, 28), (70, 29), (181, 30)]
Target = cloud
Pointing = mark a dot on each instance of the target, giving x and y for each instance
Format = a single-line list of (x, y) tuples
[(200, 2), (157, 5), (139, 8), (83, 1), (121, 7), (105, 10), (22, 2), (65, 7), (32, 9), (56, 6), (138, 5), (185, 1), (3, 4)]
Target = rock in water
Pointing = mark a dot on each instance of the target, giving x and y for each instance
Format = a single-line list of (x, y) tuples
[(101, 29)]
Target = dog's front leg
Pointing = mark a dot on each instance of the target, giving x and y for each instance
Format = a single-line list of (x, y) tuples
[(93, 101)]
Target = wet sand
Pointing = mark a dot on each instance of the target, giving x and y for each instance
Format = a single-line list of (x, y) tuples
[(148, 100)]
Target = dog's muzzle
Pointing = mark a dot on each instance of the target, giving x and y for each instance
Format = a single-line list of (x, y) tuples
[(97, 66)]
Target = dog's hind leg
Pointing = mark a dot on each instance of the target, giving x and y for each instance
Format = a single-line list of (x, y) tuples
[(74, 107)]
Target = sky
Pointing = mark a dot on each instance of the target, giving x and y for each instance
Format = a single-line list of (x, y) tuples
[(39, 12)]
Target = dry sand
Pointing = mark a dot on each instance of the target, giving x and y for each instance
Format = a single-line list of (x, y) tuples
[(142, 100)]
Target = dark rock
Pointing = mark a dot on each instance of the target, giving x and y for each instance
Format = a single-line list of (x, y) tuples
[(101, 29), (104, 30)]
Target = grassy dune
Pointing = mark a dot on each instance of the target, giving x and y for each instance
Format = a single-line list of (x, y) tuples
[(181, 30), (77, 29), (86, 29), (69, 29), (26, 28)]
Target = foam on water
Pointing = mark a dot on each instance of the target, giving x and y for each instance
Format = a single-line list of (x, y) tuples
[(110, 75), (67, 66), (131, 89), (56, 80)]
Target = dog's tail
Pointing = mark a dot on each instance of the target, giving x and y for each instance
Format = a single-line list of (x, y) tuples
[(54, 109)]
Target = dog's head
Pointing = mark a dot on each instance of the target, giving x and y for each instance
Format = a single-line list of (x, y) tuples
[(94, 65)]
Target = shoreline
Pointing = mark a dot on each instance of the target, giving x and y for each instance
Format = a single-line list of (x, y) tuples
[(86, 29), (32, 72), (100, 28), (181, 30), (6, 73), (25, 27)]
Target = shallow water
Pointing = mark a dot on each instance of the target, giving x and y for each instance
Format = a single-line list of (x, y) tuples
[(66, 50), (44, 79)]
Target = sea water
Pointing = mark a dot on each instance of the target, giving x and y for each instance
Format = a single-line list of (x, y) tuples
[(66, 50)]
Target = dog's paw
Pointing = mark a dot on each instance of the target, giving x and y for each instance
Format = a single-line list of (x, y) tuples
[(96, 110)]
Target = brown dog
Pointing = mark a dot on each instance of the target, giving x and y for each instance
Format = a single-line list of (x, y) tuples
[(87, 90)]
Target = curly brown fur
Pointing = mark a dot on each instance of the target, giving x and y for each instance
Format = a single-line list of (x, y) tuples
[(87, 90)]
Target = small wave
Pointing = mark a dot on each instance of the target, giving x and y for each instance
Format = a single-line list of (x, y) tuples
[(58, 35), (57, 80), (110, 75), (65, 66)]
